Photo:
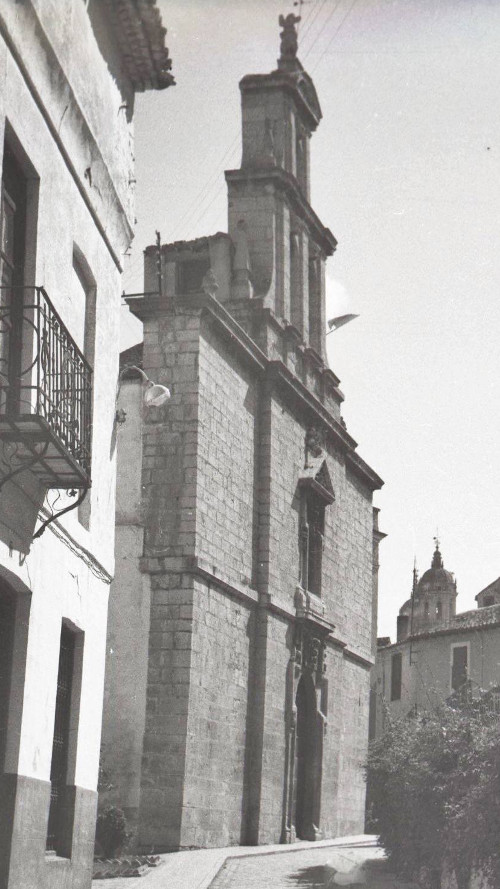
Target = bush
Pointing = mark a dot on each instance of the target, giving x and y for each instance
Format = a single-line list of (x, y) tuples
[(111, 831), (434, 792)]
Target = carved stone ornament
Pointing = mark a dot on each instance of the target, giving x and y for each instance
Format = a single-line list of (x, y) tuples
[(310, 651), (209, 284), (314, 442), (288, 36)]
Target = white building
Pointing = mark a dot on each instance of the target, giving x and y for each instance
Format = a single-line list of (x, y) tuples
[(69, 71)]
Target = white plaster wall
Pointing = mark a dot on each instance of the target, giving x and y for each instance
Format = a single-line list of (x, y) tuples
[(67, 570), (129, 616), (64, 220), (62, 586), (428, 679), (57, 42)]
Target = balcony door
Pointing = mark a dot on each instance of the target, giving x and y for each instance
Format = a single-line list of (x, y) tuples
[(12, 257)]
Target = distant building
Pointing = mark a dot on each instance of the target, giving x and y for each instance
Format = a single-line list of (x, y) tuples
[(240, 633), (438, 654), (69, 71)]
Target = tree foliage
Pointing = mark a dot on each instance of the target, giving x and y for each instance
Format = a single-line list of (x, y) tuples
[(111, 831), (434, 794)]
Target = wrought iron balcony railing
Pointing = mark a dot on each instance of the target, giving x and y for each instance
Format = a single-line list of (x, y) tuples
[(45, 391)]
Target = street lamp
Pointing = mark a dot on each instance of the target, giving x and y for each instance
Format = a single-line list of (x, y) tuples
[(339, 321), (154, 394)]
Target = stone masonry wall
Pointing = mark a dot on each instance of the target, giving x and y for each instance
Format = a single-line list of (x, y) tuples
[(221, 467), (170, 435), (228, 404), (167, 703), (348, 713), (217, 722)]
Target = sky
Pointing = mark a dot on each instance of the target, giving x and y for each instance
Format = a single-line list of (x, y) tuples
[(405, 172)]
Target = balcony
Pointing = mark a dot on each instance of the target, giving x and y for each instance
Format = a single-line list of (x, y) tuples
[(45, 393)]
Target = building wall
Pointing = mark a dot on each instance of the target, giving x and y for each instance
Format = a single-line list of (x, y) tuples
[(231, 634), (225, 466), (221, 469), (217, 720), (427, 680), (59, 103), (124, 710)]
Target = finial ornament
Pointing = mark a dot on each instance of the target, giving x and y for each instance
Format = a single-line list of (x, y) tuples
[(289, 42), (415, 575), (437, 559)]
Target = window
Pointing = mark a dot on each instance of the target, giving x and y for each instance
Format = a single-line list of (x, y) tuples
[(439, 610), (316, 314), (316, 493), (459, 666), (396, 676), (60, 744), (12, 257), (190, 275), (313, 531)]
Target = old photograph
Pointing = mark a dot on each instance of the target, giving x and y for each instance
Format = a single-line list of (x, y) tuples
[(249, 489)]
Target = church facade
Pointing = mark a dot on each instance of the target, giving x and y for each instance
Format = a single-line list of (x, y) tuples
[(240, 635)]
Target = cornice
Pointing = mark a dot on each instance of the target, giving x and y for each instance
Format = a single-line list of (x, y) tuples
[(200, 568), (274, 371), (140, 35), (288, 184), (290, 82), (357, 658)]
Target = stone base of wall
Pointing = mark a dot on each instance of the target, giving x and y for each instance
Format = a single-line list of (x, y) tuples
[(24, 807)]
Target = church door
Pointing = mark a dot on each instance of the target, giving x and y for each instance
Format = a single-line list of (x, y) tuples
[(306, 753)]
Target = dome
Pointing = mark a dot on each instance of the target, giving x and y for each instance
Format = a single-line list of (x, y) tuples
[(436, 578), (433, 599)]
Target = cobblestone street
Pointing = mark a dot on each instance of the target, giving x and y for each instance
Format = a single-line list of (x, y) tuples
[(268, 867), (304, 870)]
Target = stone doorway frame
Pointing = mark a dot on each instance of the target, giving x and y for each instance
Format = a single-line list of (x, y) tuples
[(307, 666)]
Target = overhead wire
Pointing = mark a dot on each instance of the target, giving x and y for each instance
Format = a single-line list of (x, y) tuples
[(335, 34), (304, 19), (205, 188), (304, 34), (211, 194), (322, 28)]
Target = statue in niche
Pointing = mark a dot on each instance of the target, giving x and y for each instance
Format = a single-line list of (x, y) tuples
[(209, 284), (289, 42), (313, 443)]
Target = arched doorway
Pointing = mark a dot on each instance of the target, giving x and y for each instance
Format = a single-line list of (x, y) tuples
[(306, 759)]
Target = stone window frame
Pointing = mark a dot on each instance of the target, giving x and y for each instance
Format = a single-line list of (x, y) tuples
[(314, 500)]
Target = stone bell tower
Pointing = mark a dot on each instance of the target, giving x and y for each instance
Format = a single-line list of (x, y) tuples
[(269, 194)]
